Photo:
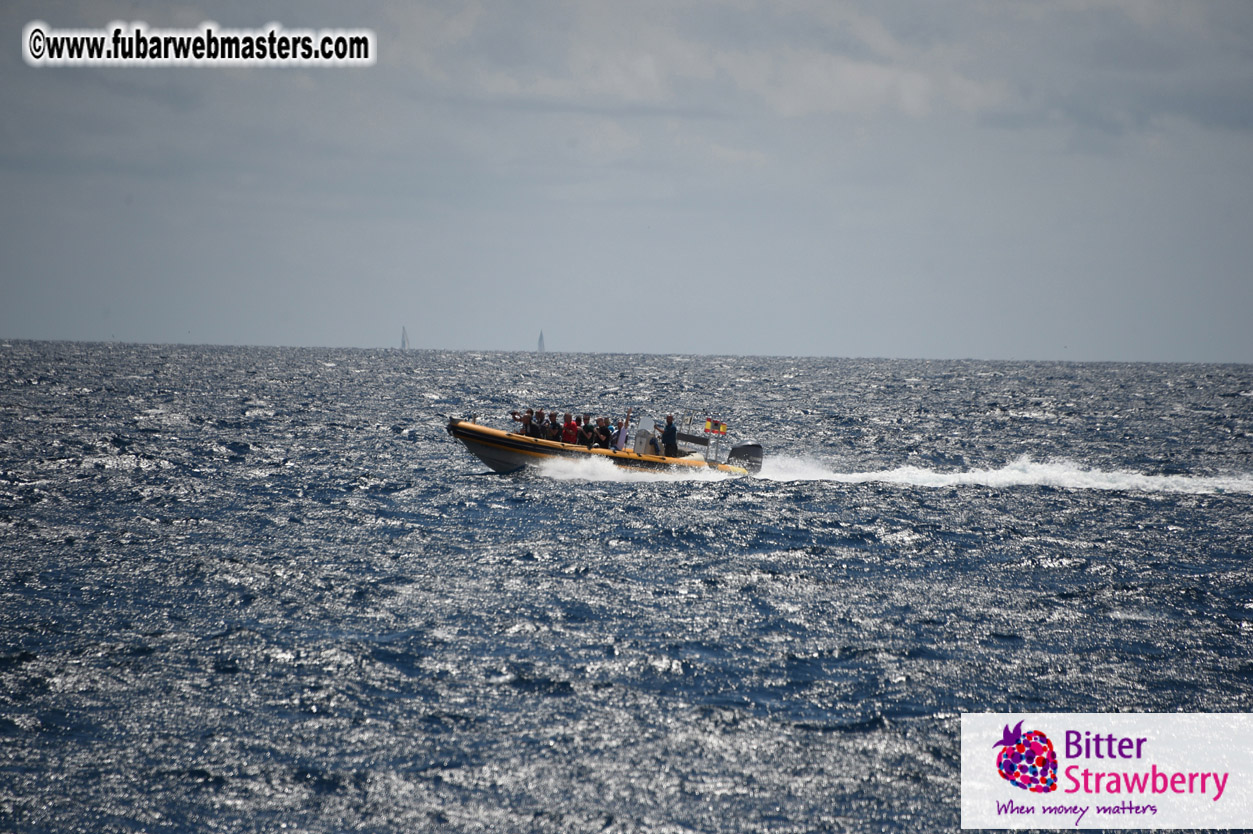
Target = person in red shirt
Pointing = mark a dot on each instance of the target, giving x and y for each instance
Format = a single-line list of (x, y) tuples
[(569, 430)]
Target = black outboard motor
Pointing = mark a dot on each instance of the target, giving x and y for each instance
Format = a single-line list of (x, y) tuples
[(747, 455)]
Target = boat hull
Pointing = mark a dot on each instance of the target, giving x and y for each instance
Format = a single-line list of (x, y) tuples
[(506, 452)]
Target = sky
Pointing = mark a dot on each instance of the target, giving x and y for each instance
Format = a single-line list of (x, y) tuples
[(1063, 180)]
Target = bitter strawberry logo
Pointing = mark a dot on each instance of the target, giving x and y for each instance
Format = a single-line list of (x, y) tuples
[(1027, 760)]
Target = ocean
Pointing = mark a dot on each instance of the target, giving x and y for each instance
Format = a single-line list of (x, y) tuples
[(261, 589)]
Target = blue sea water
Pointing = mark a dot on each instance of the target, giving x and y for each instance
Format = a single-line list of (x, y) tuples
[(261, 589)]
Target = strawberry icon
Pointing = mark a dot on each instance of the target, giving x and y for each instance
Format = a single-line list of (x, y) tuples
[(1027, 760)]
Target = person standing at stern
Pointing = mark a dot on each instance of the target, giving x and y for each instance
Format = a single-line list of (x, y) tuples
[(670, 438)]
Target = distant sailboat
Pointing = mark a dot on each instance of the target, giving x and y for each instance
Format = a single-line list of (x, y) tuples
[(404, 339), (541, 341)]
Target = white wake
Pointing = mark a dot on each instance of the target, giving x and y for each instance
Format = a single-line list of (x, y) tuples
[(601, 469), (1023, 472), (1062, 474)]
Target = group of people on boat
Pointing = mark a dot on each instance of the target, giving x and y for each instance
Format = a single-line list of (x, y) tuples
[(580, 429), (584, 431)]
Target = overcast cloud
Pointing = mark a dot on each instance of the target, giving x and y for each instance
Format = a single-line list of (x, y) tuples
[(1054, 180)]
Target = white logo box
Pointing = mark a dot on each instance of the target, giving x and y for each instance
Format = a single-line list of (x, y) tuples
[(1115, 770)]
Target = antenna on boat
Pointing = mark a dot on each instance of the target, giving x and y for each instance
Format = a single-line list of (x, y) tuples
[(622, 435)]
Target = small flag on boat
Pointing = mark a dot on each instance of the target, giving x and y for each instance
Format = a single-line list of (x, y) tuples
[(715, 427)]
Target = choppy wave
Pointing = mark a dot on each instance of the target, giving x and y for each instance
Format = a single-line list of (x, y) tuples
[(1023, 472), (252, 589)]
